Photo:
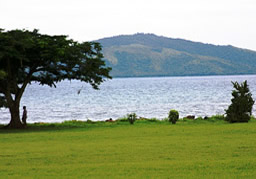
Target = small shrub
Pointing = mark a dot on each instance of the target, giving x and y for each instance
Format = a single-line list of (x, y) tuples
[(240, 109), (173, 116), (131, 118)]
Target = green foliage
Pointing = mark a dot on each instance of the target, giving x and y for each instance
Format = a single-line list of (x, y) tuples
[(131, 118), (28, 56), (240, 109), (173, 116)]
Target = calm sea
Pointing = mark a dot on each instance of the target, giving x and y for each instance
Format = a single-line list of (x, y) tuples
[(147, 97)]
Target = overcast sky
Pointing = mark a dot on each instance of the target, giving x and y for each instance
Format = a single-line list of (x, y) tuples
[(219, 22)]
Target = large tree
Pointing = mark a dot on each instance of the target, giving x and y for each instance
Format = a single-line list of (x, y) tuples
[(28, 56)]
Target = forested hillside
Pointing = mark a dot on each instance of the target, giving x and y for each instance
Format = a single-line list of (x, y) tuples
[(151, 55)]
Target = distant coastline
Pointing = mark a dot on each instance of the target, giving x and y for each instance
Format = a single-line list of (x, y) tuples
[(210, 75), (149, 55)]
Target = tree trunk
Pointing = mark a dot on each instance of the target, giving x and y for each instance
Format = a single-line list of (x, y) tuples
[(15, 117)]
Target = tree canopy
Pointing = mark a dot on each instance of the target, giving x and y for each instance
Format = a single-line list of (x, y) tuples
[(28, 56)]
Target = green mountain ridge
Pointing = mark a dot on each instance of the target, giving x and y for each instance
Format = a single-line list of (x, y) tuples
[(150, 55)]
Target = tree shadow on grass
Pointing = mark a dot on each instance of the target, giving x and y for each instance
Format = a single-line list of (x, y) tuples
[(74, 124), (66, 125)]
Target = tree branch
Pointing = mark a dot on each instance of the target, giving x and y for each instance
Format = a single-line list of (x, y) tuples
[(39, 69), (24, 85), (1, 89)]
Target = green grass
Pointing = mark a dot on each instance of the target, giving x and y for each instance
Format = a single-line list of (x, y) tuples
[(147, 149)]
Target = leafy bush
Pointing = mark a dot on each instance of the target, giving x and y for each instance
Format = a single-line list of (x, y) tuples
[(131, 117), (173, 116), (240, 109)]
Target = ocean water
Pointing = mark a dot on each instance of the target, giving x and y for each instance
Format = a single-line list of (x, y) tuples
[(147, 97)]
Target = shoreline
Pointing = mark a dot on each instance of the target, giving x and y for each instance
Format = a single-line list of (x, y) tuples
[(124, 121)]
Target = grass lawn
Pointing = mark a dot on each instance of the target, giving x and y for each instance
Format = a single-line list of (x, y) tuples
[(119, 150)]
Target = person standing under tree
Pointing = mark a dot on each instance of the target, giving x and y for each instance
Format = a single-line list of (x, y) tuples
[(24, 116)]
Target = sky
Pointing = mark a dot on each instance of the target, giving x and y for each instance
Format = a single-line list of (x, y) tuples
[(219, 22)]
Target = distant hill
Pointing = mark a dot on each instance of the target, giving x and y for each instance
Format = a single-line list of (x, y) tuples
[(151, 55)]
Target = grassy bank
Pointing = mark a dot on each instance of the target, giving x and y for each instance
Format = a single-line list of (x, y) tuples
[(147, 149)]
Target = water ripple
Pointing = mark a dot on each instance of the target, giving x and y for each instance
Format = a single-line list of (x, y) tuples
[(147, 97)]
